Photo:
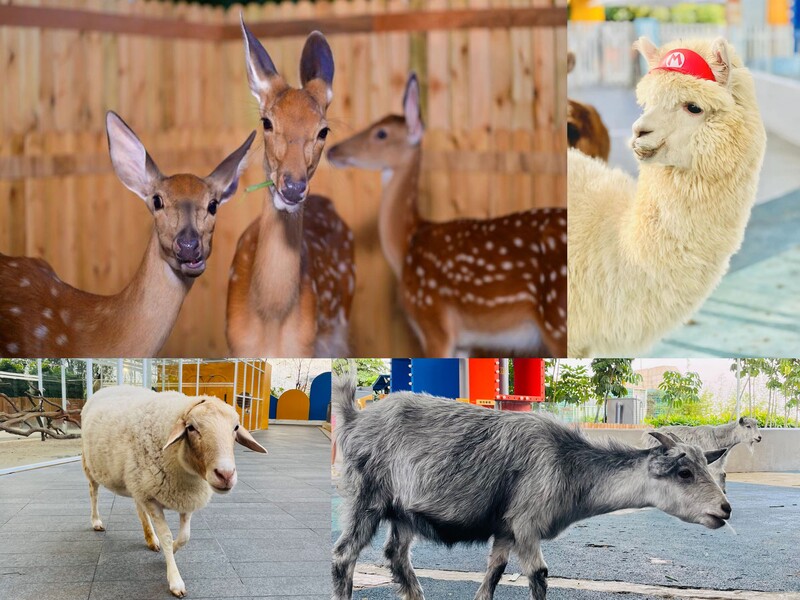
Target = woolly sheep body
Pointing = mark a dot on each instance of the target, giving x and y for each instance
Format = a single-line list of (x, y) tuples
[(124, 432), (643, 256)]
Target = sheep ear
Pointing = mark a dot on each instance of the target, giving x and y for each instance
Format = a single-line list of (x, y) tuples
[(720, 62), (178, 432), (248, 441), (570, 61), (715, 455), (648, 50), (665, 440)]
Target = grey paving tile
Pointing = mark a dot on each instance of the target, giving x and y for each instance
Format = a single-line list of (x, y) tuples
[(50, 591)]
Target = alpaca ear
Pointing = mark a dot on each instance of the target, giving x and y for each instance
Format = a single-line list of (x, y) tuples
[(720, 62), (648, 50), (570, 61)]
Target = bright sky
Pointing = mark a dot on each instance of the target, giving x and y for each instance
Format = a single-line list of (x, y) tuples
[(284, 370)]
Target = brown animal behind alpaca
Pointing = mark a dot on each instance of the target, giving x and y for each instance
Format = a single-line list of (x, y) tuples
[(585, 129)]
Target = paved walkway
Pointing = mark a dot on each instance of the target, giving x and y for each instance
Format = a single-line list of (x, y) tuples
[(635, 555), (268, 538), (754, 311)]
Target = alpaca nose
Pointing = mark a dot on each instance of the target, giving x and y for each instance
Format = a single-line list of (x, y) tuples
[(726, 508), (639, 131)]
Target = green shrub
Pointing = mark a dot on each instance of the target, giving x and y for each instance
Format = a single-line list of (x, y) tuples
[(717, 419)]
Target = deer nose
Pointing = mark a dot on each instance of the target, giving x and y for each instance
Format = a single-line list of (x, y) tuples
[(293, 189), (226, 476), (726, 508), (187, 247)]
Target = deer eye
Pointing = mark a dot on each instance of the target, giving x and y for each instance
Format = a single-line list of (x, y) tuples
[(323, 133), (381, 134), (266, 123), (212, 207), (684, 474), (158, 203), (693, 108)]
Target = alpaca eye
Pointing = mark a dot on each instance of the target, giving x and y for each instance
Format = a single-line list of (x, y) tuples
[(693, 108), (381, 134), (212, 207), (267, 124), (323, 133), (236, 428), (158, 203), (685, 474)]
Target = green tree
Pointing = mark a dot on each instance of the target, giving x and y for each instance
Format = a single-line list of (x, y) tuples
[(610, 378), (367, 369), (573, 386), (680, 390)]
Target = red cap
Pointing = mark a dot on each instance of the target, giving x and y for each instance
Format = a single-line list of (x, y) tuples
[(688, 62)]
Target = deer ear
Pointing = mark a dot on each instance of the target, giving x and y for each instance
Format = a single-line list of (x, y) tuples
[(225, 178), (316, 68), (648, 50), (178, 432), (665, 440), (245, 439), (262, 75), (720, 62), (413, 110), (132, 164)]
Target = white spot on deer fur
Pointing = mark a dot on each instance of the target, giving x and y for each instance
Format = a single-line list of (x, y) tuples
[(13, 348), (47, 313), (420, 272), (518, 223), (552, 243), (64, 314), (40, 331), (563, 270), (24, 282), (507, 265), (518, 242), (563, 238), (61, 340), (15, 310), (502, 250), (480, 262), (553, 275), (527, 276), (489, 245), (428, 300), (432, 283), (13, 264), (54, 291), (447, 238)]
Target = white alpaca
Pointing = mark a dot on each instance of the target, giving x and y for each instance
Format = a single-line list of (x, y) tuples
[(643, 258)]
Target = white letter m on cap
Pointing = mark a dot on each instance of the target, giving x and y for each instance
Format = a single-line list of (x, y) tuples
[(675, 60)]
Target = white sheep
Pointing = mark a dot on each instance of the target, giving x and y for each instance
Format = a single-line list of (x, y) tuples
[(643, 257), (166, 451)]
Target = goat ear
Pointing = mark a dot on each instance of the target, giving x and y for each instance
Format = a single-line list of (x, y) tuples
[(178, 432), (248, 441), (665, 440), (225, 178), (570, 61), (262, 75), (720, 62), (316, 68), (741, 420), (715, 455), (413, 110), (648, 50), (132, 164)]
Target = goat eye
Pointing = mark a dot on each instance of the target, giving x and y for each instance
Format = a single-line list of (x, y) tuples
[(267, 124), (685, 474), (323, 133), (158, 203), (381, 134), (212, 207), (693, 108)]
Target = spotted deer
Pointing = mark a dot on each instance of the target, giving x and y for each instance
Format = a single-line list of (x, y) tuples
[(40, 315), (293, 275), (494, 284)]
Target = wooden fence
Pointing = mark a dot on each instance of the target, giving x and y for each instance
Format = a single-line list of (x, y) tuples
[(494, 100)]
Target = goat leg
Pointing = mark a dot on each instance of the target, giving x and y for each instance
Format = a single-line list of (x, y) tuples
[(361, 526), (398, 552), (535, 568), (498, 559)]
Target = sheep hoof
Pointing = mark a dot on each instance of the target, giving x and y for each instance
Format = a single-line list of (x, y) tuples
[(154, 546), (98, 526), (178, 589)]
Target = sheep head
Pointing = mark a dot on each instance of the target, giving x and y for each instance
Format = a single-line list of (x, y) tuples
[(699, 109), (206, 433), (681, 485)]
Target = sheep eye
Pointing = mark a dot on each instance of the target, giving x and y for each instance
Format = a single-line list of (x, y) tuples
[(267, 124), (212, 207), (323, 133), (190, 428), (158, 203), (693, 108), (381, 134), (685, 474)]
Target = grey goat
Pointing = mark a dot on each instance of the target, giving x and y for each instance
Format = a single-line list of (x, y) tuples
[(453, 472), (711, 437)]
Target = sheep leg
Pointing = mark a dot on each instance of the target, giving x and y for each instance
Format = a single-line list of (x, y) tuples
[(184, 533), (398, 551), (150, 537), (498, 559), (97, 524), (361, 526), (156, 513), (535, 568)]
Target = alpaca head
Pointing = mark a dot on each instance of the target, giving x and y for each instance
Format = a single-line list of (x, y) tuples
[(699, 109)]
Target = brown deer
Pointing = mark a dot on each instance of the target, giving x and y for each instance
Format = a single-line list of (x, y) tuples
[(40, 315), (293, 274), (585, 129), (495, 284)]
